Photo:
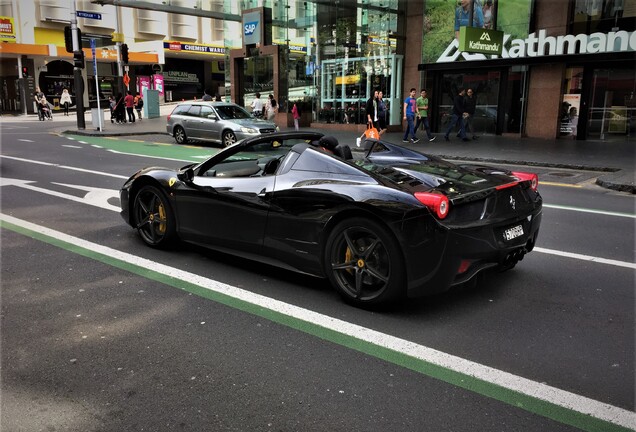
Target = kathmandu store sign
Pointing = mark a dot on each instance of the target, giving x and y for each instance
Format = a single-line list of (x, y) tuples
[(543, 45)]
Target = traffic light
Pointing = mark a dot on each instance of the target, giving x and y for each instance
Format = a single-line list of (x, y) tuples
[(124, 53), (78, 59), (25, 72), (68, 39)]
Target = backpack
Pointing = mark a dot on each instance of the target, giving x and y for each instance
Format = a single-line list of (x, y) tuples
[(140, 103)]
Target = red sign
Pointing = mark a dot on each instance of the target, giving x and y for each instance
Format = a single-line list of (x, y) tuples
[(6, 26), (175, 46)]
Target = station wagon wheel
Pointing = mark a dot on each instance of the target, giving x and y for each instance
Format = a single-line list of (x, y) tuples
[(229, 138), (180, 135), (154, 218), (364, 262)]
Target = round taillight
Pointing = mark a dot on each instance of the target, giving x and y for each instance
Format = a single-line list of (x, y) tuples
[(436, 202)]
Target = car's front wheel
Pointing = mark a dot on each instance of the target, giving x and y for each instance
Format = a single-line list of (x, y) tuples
[(180, 135), (229, 138), (154, 218), (364, 262)]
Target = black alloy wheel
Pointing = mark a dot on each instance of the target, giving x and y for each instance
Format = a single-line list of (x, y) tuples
[(229, 138), (364, 262), (154, 219), (180, 135)]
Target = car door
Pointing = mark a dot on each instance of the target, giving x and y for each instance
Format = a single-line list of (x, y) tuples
[(210, 128), (192, 122), (228, 211)]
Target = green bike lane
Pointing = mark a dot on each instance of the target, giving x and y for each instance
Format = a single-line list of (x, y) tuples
[(148, 147)]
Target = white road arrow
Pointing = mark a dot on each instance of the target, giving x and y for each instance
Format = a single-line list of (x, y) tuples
[(97, 197)]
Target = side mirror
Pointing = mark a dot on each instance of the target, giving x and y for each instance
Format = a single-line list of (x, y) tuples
[(213, 117), (186, 175)]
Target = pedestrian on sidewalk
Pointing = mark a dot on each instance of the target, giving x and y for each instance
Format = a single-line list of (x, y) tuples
[(422, 115), (470, 103), (120, 110), (65, 101), (112, 103), (296, 115), (139, 104), (129, 100), (381, 113), (257, 106), (458, 115), (206, 97), (371, 109), (410, 109)]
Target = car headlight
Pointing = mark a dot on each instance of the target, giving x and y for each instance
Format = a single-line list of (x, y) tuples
[(249, 130), (277, 129)]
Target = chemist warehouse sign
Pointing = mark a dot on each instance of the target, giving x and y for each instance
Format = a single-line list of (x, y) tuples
[(476, 47), (194, 48)]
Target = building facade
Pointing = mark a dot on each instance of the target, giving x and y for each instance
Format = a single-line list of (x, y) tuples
[(566, 68)]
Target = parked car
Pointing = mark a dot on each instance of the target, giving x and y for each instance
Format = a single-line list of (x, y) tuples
[(386, 223), (220, 122)]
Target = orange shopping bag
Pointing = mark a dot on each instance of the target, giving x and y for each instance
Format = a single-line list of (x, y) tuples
[(372, 133)]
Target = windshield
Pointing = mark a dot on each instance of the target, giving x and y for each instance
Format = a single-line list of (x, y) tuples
[(232, 112)]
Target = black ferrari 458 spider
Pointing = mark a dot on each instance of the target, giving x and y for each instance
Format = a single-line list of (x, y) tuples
[(381, 222)]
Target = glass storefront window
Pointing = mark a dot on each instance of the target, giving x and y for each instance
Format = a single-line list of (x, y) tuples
[(613, 110), (485, 87)]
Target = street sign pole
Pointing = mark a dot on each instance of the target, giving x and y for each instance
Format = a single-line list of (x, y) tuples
[(100, 126), (77, 73)]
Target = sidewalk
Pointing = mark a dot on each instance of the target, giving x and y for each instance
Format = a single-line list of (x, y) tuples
[(615, 160)]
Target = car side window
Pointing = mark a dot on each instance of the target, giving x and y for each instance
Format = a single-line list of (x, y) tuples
[(206, 112), (194, 111)]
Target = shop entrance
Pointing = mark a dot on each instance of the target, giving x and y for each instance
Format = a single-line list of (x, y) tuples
[(612, 114)]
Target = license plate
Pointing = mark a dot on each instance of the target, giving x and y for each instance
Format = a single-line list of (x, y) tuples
[(513, 232)]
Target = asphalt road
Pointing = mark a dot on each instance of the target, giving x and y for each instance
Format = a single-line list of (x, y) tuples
[(92, 340)]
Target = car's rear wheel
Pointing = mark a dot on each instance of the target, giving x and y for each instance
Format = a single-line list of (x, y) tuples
[(229, 138), (180, 135), (364, 262), (154, 218)]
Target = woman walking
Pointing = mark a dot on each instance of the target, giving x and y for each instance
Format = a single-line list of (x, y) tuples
[(66, 101)]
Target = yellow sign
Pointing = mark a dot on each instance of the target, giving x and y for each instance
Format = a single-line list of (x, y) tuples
[(7, 29), (348, 79), (117, 37)]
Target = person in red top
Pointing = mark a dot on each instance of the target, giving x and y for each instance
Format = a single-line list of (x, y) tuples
[(129, 101)]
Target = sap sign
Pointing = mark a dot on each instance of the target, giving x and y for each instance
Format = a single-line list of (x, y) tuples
[(252, 27), (249, 28)]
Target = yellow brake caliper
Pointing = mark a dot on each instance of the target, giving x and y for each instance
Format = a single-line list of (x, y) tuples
[(162, 218)]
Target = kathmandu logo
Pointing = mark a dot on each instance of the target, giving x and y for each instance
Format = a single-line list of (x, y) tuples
[(249, 28), (485, 37)]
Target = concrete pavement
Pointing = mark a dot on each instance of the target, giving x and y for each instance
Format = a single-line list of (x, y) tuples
[(614, 160)]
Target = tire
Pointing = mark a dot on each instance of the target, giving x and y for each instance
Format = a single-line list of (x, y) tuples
[(180, 135), (229, 138), (363, 261), (154, 218)]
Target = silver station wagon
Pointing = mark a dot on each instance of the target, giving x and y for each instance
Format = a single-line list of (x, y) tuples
[(220, 122)]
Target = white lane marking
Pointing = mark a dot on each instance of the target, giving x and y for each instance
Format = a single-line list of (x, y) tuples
[(71, 146), (586, 258), (152, 157), (584, 210), (507, 380), (64, 167), (97, 197), (25, 140)]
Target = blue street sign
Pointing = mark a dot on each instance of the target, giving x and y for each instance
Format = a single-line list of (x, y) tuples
[(94, 56), (89, 15)]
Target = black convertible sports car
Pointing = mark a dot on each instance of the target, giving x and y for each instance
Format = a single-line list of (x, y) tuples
[(380, 222)]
